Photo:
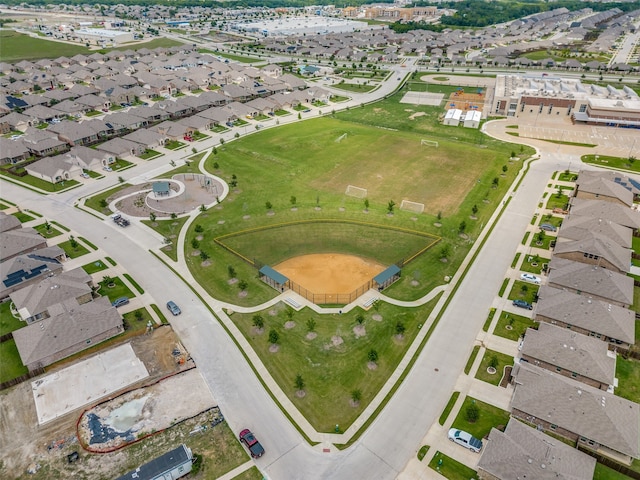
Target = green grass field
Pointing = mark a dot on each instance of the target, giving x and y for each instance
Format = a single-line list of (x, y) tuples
[(16, 46), (118, 290), (50, 233), (73, 252), (331, 373), (94, 267), (489, 417), (10, 359), (9, 323), (512, 326), (503, 361), (450, 468)]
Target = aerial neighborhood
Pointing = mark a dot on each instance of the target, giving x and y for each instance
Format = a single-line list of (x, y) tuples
[(390, 241)]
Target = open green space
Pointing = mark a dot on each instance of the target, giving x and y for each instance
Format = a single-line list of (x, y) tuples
[(95, 267), (501, 361), (512, 326), (9, 323), (354, 87), (450, 468), (73, 250), (160, 42), (332, 370), (47, 232), (488, 417), (238, 58), (628, 374), (619, 163), (10, 360), (169, 229), (118, 290), (524, 291), (100, 202), (16, 46)]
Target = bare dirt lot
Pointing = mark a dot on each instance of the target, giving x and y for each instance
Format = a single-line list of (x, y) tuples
[(23, 442), (329, 273)]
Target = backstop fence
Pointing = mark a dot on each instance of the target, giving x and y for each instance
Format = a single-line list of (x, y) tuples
[(330, 298)]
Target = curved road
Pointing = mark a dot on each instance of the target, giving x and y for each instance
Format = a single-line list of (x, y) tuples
[(383, 451)]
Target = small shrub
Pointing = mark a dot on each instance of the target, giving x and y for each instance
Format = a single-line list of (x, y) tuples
[(273, 337), (258, 321)]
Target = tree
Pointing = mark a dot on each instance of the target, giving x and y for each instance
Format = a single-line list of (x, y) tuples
[(268, 205), (513, 154), (311, 325), (195, 243), (47, 225), (198, 228), (360, 319), (400, 328), (152, 217), (493, 361), (299, 116), (462, 227), (439, 215), (390, 206), (204, 255), (242, 285), (203, 208), (173, 215), (293, 200), (138, 315), (356, 395), (504, 169), (299, 382), (289, 313), (495, 182), (216, 165), (107, 280), (73, 242), (366, 204), (221, 141), (540, 236), (258, 321), (474, 209), (372, 356), (231, 271), (273, 337), (237, 135), (472, 413), (445, 251), (104, 203)]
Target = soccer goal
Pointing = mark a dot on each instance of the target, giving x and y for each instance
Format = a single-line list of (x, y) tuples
[(429, 143), (414, 207), (356, 192)]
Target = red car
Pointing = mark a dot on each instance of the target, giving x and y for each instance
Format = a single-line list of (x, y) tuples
[(252, 443)]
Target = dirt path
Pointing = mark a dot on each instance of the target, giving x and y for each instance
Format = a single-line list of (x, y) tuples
[(329, 273)]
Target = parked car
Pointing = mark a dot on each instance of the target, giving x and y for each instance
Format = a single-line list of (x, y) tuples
[(465, 439), (107, 169), (84, 175), (528, 277), (252, 443), (548, 227), (119, 302), (173, 308), (522, 304)]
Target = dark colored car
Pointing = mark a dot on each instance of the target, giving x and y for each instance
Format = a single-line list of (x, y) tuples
[(118, 302), (522, 304), (173, 308), (252, 443)]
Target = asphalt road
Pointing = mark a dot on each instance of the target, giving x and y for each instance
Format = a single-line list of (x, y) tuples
[(384, 449)]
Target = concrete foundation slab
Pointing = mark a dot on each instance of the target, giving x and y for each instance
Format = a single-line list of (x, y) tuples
[(85, 382)]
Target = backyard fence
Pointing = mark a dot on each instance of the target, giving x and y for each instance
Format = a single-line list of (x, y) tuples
[(21, 378)]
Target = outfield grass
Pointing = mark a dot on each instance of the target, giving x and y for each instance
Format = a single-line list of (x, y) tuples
[(489, 417), (10, 360), (332, 373)]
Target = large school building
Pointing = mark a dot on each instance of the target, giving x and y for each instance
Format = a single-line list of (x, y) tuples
[(530, 96)]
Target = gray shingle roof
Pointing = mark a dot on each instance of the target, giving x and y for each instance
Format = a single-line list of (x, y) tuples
[(13, 242), (587, 411), (574, 226), (595, 244), (606, 210), (572, 351), (605, 187), (526, 453), (588, 313)]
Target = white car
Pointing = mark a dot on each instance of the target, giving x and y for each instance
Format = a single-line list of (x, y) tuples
[(528, 277), (465, 439)]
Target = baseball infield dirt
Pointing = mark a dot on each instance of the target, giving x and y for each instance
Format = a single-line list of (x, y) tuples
[(329, 272)]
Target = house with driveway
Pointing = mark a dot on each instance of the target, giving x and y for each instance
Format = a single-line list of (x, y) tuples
[(121, 147), (595, 419), (522, 452), (614, 212), (594, 249), (18, 241), (585, 359), (54, 169), (29, 268), (585, 314), (601, 188)]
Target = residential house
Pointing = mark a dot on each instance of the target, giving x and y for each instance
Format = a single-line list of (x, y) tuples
[(29, 268), (17, 121), (173, 130), (574, 227), (196, 122), (90, 158), (600, 188), (218, 116), (79, 133), (94, 102), (148, 138), (9, 222), (121, 147), (12, 151), (611, 211), (19, 241), (40, 113), (263, 106), (43, 142), (595, 419), (522, 452), (591, 280), (32, 302), (589, 316), (125, 122), (69, 108), (594, 249), (569, 353), (54, 169), (272, 70), (629, 183), (70, 328)]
